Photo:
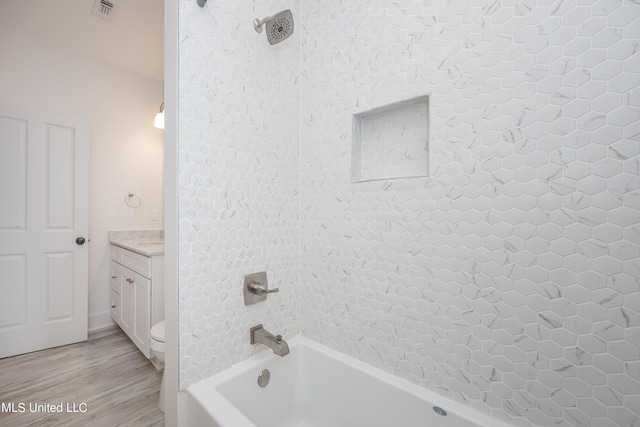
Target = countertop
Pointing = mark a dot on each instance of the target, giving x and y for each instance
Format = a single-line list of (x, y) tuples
[(144, 242)]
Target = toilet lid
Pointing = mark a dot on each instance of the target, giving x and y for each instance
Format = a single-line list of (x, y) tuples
[(157, 331)]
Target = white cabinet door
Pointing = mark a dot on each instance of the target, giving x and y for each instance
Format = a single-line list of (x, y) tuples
[(116, 289), (115, 306), (142, 313), (122, 292), (43, 210), (135, 305), (127, 303)]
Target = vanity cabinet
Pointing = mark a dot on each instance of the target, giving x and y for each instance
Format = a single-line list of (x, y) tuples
[(137, 294)]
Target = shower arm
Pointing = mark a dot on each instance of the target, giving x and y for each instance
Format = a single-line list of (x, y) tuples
[(259, 23)]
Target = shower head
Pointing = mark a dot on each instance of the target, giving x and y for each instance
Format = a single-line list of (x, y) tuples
[(279, 26)]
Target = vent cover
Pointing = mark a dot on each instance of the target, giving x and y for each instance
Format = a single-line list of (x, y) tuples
[(103, 9)]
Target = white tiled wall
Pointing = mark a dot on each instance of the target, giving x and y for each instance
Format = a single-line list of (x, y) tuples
[(509, 279), (239, 180)]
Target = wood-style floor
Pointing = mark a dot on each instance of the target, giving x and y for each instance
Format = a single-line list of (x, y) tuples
[(119, 386)]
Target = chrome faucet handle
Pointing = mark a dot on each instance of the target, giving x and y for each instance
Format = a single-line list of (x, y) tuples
[(255, 288), (259, 289)]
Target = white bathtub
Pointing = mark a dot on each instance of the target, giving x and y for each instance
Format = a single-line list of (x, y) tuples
[(315, 386)]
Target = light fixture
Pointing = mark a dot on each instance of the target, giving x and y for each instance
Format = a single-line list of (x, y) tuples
[(159, 120)]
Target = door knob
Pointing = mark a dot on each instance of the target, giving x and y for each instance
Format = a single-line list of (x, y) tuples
[(80, 240)]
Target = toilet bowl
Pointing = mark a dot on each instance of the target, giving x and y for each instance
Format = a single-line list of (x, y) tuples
[(157, 347)]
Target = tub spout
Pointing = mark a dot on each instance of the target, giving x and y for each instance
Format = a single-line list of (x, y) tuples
[(259, 335)]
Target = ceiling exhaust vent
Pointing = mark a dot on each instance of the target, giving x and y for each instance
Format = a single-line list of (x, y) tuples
[(103, 9)]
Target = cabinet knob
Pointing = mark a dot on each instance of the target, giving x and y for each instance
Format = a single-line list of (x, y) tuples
[(130, 280), (113, 306), (113, 277)]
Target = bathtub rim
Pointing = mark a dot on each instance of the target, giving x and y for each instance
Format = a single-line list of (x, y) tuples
[(205, 391)]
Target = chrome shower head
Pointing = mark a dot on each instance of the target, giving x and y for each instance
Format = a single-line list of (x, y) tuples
[(279, 26)]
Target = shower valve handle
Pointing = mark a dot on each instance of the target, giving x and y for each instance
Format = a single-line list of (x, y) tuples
[(259, 289)]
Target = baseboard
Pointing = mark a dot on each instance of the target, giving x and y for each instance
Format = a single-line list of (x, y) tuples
[(100, 321)]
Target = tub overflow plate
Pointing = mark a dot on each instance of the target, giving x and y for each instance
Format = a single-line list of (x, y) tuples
[(439, 411), (263, 378)]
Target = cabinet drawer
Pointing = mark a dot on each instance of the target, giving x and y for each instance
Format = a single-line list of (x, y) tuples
[(115, 306), (139, 263), (116, 277)]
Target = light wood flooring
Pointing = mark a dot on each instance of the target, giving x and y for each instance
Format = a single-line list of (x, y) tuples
[(118, 384)]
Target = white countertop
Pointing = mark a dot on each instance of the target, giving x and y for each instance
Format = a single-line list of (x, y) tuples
[(147, 248), (144, 242)]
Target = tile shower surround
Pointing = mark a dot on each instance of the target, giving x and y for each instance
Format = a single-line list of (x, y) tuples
[(509, 279), (239, 181)]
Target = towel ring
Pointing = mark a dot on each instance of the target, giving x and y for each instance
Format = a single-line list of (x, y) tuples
[(131, 196)]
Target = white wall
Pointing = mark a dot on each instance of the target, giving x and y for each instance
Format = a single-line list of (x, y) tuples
[(509, 279), (126, 151), (238, 166)]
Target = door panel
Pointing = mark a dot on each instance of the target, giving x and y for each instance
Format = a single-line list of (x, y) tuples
[(126, 299), (43, 272), (13, 170), (59, 287), (142, 329), (13, 287), (59, 145)]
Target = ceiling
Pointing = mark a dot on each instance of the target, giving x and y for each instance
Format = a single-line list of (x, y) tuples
[(131, 38)]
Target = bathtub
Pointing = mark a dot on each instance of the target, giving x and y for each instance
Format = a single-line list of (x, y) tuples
[(315, 386)]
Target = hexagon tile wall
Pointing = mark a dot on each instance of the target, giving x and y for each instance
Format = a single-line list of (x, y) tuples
[(509, 279), (239, 181)]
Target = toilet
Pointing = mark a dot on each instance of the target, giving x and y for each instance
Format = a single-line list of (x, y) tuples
[(157, 347)]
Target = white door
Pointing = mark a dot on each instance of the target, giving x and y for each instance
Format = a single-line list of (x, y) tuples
[(43, 222)]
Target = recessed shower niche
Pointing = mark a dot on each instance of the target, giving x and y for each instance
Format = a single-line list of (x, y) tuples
[(391, 141)]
